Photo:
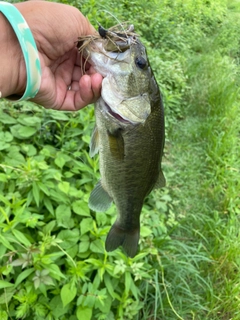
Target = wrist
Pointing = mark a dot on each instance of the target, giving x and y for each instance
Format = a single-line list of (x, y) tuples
[(13, 71)]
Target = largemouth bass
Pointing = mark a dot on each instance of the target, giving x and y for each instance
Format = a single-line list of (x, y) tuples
[(129, 132)]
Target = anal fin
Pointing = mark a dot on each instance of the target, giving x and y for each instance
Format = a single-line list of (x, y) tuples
[(99, 200), (161, 181)]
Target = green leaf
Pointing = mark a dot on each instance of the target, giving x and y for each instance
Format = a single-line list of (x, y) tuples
[(21, 237), (48, 204), (5, 284), (29, 149), (57, 308), (68, 293), (63, 215), (64, 186), (80, 207), (145, 231), (83, 246), (5, 118), (84, 313), (3, 315), (59, 115), (69, 238), (4, 145), (109, 286), (6, 296), (60, 161), (86, 225), (97, 246), (23, 132), (3, 177), (49, 227), (55, 271), (6, 243), (43, 188), (128, 281), (32, 121), (23, 275), (35, 191)]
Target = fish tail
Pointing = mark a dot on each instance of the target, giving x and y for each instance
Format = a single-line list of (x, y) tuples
[(128, 239)]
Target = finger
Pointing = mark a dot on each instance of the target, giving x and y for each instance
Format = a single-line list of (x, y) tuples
[(89, 91), (96, 80), (90, 87)]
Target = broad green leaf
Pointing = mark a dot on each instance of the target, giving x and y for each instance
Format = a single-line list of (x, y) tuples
[(59, 115), (3, 315), (60, 161), (21, 237), (145, 231), (23, 132), (5, 118), (3, 177), (32, 121), (64, 186), (4, 145), (80, 207), (23, 275), (57, 308), (49, 227), (68, 293), (63, 215), (29, 149), (15, 158), (86, 225), (6, 296), (83, 246), (69, 238), (55, 271), (97, 246), (84, 313), (5, 284)]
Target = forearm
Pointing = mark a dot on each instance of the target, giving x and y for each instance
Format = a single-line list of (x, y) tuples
[(12, 66)]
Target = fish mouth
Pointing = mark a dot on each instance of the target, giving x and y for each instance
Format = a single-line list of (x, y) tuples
[(115, 115)]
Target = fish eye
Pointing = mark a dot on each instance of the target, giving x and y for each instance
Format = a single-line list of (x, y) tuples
[(102, 31), (141, 62)]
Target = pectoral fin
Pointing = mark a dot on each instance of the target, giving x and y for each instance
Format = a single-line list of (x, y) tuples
[(116, 144), (94, 144), (99, 199)]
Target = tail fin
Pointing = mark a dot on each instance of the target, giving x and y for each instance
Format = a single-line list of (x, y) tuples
[(128, 239)]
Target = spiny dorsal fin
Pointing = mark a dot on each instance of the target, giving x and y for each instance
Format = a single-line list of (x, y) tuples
[(99, 199)]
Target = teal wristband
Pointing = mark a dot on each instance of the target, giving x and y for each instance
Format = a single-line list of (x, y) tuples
[(29, 49)]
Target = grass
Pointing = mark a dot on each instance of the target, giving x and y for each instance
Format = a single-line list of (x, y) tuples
[(189, 266), (205, 154)]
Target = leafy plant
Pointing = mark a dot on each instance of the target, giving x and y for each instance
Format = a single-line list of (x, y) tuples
[(53, 264)]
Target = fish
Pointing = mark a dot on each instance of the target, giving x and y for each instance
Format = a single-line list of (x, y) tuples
[(129, 134)]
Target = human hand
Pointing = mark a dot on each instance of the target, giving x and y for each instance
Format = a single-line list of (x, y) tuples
[(56, 28)]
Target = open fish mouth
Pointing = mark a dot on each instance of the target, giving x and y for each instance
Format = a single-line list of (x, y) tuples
[(114, 114)]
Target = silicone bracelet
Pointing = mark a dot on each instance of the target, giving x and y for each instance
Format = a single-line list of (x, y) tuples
[(28, 47)]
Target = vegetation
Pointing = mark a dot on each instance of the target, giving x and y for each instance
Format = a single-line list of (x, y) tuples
[(53, 264)]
